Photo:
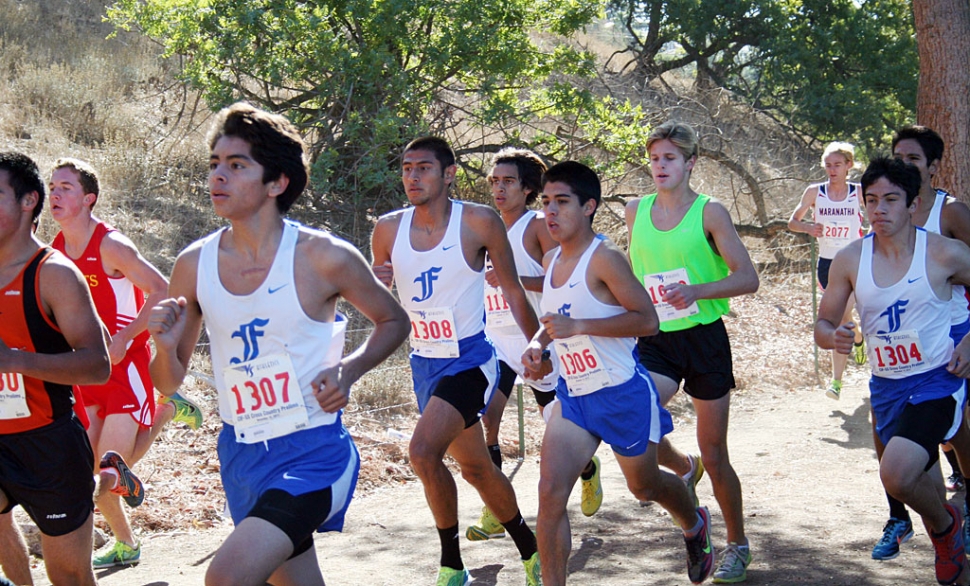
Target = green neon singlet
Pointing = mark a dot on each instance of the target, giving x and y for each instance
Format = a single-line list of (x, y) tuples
[(654, 251)]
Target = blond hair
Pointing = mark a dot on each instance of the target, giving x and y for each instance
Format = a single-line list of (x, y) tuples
[(845, 149)]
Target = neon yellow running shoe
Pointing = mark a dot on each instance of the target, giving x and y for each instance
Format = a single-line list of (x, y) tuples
[(187, 411), (533, 571), (592, 491), (694, 476), (452, 577), (488, 528), (835, 390), (859, 352), (120, 554)]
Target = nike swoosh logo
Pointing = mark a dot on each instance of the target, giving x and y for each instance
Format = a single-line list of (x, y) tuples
[(632, 445), (571, 285), (448, 247), (914, 280), (286, 476), (272, 290)]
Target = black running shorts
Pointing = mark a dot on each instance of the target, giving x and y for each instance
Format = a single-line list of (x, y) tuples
[(49, 471), (700, 356)]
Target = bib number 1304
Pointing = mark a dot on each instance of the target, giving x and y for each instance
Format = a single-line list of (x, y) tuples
[(896, 353)]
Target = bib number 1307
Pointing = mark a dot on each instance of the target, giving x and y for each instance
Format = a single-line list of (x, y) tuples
[(256, 394), (265, 405)]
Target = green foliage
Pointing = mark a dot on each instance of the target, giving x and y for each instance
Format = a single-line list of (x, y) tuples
[(831, 69), (362, 77)]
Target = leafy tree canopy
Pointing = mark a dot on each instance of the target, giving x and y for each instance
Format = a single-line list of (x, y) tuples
[(362, 77), (831, 69)]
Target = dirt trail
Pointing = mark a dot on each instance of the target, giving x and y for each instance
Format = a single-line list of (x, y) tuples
[(813, 508)]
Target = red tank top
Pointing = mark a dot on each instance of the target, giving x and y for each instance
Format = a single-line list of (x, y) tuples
[(26, 327), (117, 299)]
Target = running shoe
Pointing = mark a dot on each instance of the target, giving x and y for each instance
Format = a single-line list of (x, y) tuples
[(452, 577), (120, 554), (951, 559), (859, 352), (895, 533), (592, 491), (835, 390), (533, 570), (700, 554), (128, 487), (733, 567), (187, 411), (954, 482), (694, 476), (488, 528)]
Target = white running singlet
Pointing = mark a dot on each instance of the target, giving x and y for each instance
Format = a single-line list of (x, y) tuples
[(841, 220), (586, 363), (443, 296), (907, 327), (250, 335)]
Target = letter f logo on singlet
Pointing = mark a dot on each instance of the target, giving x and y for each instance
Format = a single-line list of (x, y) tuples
[(564, 310), (427, 279), (894, 312), (250, 334)]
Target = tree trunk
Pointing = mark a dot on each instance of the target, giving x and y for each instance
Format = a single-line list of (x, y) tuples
[(943, 100)]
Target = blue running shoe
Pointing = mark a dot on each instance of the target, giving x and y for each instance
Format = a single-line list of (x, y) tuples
[(895, 533)]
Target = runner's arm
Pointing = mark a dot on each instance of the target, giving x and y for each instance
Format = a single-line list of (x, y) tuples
[(955, 220), (619, 285), (347, 269), (796, 223), (741, 279), (175, 324), (119, 254), (67, 300), (381, 244)]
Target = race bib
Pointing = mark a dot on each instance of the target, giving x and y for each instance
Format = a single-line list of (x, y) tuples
[(497, 312), (266, 398), (580, 365), (656, 286), (433, 332), (838, 232), (896, 353), (13, 396)]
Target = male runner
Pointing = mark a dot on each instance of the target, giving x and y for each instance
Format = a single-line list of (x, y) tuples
[(686, 252), (123, 419), (593, 309), (836, 207), (515, 180), (903, 277), (268, 289), (940, 213), (50, 339), (435, 252)]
